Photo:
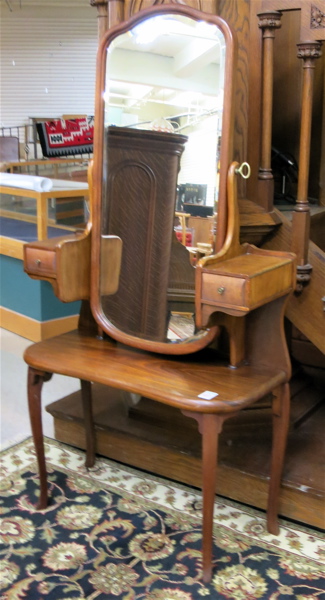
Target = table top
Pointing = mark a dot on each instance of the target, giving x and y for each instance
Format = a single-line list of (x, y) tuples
[(196, 382)]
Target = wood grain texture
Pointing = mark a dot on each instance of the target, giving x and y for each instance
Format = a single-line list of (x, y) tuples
[(287, 97), (34, 388), (237, 14), (300, 224), (211, 426), (139, 206), (239, 278), (311, 19), (131, 7), (255, 100), (287, 90), (87, 406), (64, 262), (173, 381), (305, 310), (11, 247), (102, 12), (247, 281)]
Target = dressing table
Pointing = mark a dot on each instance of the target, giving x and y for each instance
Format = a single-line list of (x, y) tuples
[(121, 263)]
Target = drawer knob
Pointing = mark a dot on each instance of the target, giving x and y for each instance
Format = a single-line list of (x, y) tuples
[(38, 262), (221, 290)]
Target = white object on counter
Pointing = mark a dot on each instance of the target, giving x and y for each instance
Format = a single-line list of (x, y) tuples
[(27, 182)]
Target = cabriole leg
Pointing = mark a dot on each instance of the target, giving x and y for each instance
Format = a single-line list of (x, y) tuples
[(89, 422), (210, 426), (281, 415), (35, 383)]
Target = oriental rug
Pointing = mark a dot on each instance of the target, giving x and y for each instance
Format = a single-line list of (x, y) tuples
[(113, 532)]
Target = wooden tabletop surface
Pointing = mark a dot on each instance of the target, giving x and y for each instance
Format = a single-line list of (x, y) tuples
[(173, 380)]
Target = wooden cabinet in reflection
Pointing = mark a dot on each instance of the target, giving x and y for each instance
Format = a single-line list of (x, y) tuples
[(142, 169)]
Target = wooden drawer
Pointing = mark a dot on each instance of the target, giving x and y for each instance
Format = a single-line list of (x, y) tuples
[(223, 290), (40, 262), (247, 281)]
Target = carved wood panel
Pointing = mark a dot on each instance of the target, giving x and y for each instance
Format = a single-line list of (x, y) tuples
[(313, 21), (143, 169), (312, 24), (133, 6)]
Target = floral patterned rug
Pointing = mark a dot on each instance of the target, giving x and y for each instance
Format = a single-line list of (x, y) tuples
[(117, 533)]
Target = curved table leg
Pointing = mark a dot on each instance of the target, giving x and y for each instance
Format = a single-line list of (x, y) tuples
[(89, 422), (35, 384), (281, 414), (211, 426)]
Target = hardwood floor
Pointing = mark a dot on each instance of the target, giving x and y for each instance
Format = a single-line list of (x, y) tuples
[(159, 439)]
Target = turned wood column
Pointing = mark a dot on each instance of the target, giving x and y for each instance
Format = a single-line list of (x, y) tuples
[(101, 6), (268, 22), (308, 51)]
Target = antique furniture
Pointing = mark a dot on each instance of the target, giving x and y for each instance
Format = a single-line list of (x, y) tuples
[(237, 353)]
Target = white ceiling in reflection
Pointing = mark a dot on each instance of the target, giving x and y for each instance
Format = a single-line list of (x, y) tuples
[(177, 61)]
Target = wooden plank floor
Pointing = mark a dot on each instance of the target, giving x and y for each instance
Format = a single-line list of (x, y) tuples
[(159, 439)]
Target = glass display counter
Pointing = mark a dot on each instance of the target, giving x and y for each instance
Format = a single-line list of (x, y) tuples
[(29, 215)]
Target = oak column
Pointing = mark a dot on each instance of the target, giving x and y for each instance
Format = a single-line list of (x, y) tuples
[(268, 22), (308, 51)]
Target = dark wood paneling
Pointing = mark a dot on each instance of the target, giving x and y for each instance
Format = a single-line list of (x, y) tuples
[(142, 169), (304, 310)]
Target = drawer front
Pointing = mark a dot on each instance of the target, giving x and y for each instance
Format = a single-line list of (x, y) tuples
[(40, 262), (222, 290)]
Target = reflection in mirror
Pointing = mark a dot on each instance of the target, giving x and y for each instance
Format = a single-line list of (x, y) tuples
[(163, 112)]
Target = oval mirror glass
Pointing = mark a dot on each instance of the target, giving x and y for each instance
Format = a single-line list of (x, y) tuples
[(162, 145)]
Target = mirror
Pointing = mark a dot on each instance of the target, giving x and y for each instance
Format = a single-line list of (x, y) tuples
[(162, 149)]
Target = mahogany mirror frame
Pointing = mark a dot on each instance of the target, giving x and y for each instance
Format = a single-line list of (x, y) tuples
[(206, 336)]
